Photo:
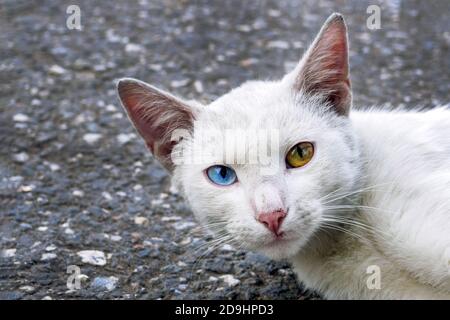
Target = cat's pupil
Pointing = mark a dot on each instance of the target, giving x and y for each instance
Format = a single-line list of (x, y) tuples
[(223, 172), (300, 151)]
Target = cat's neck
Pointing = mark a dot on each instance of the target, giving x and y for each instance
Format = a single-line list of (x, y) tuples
[(329, 238), (325, 242)]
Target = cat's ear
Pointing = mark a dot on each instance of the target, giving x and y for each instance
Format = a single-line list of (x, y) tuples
[(324, 69), (156, 115)]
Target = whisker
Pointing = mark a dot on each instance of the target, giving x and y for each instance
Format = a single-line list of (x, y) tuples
[(337, 228), (346, 207), (356, 223), (338, 189), (342, 196)]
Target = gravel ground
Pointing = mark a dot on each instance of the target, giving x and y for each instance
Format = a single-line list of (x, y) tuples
[(74, 177)]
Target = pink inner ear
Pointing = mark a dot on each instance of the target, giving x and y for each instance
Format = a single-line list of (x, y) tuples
[(325, 70), (334, 41), (155, 115)]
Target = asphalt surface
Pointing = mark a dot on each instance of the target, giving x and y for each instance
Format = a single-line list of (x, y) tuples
[(74, 177)]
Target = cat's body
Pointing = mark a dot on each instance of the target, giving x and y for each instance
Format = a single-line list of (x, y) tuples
[(358, 202), (405, 204)]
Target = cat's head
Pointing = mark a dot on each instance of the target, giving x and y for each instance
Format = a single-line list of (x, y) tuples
[(259, 164)]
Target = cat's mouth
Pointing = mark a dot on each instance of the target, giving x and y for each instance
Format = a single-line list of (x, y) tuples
[(278, 240), (280, 247)]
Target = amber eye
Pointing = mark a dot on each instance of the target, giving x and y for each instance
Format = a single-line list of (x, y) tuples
[(300, 154)]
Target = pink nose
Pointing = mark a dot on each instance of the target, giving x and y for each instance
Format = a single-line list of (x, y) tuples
[(272, 220)]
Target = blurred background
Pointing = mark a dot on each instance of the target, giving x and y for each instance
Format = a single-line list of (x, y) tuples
[(77, 186)]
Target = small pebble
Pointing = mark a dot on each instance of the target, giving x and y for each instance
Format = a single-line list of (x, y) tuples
[(50, 248), (26, 188), (198, 86), (26, 226), (8, 253), (179, 83), (48, 256), (248, 62), (105, 283), (21, 157), (27, 288), (132, 48), (141, 221), (244, 28), (184, 225), (230, 280), (92, 138), (20, 117), (278, 44), (124, 138), (186, 241), (107, 195), (171, 218), (115, 238), (227, 247), (78, 193), (53, 166), (57, 70), (182, 287), (156, 202), (93, 257), (111, 108)]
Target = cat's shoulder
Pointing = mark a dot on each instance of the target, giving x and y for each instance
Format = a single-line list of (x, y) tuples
[(393, 134), (401, 111), (401, 119)]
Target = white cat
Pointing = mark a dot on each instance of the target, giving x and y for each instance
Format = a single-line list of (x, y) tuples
[(360, 201)]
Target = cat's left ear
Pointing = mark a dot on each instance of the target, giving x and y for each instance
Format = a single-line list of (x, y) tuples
[(324, 69)]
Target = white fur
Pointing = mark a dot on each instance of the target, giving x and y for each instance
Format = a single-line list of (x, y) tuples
[(406, 154), (376, 193), (402, 163)]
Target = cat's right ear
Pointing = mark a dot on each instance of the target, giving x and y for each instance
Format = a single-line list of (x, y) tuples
[(156, 115)]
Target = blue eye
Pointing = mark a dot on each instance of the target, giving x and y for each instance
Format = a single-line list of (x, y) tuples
[(221, 175)]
